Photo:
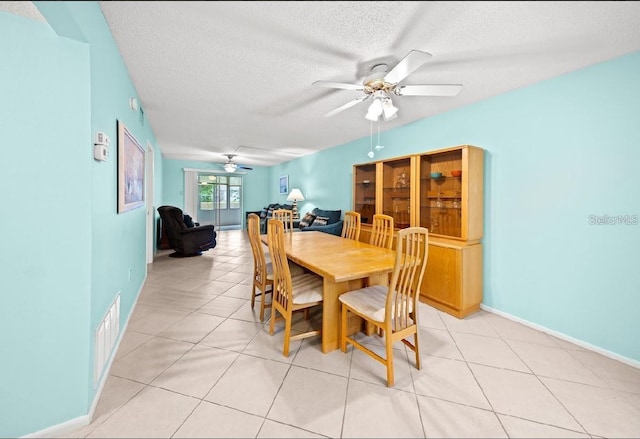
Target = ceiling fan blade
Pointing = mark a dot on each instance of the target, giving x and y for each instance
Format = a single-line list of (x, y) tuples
[(245, 167), (347, 105), (342, 85), (428, 90), (406, 66)]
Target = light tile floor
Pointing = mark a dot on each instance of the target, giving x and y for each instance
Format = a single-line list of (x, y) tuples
[(195, 361)]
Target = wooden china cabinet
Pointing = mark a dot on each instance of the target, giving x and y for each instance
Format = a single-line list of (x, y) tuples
[(441, 190)]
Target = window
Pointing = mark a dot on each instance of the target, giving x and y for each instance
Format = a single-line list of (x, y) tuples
[(235, 187), (221, 201), (219, 192), (206, 190)]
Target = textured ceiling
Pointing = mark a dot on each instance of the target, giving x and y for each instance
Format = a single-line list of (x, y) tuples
[(221, 77), (26, 9)]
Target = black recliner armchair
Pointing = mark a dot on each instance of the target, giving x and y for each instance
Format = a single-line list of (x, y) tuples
[(185, 241)]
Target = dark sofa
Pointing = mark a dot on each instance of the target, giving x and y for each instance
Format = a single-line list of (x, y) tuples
[(333, 225)]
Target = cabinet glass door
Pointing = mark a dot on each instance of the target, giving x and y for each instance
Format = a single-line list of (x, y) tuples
[(364, 196), (396, 191), (441, 194)]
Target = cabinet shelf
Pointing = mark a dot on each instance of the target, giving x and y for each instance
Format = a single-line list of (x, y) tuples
[(444, 209), (396, 189), (444, 195), (443, 178)]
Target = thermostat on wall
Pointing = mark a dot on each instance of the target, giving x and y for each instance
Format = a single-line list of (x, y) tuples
[(102, 138), (100, 152), (101, 147)]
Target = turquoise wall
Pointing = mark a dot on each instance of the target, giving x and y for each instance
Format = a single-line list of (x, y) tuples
[(70, 252), (45, 260)]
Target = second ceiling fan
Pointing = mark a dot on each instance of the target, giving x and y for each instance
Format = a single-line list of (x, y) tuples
[(380, 84), (232, 166)]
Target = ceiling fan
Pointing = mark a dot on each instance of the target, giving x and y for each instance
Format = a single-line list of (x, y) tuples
[(381, 83), (231, 166)]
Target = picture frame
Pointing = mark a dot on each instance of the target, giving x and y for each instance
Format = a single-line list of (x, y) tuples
[(284, 185), (131, 170)]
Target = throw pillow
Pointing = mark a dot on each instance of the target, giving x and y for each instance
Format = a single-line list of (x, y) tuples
[(307, 220), (333, 215), (320, 221)]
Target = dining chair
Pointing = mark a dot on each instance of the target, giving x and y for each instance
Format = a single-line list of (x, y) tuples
[(382, 231), (262, 269), (290, 293), (351, 225), (392, 308), (286, 216)]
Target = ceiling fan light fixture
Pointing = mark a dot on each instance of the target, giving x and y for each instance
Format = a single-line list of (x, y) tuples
[(230, 167), (389, 110), (375, 110)]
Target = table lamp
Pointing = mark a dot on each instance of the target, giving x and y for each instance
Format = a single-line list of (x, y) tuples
[(295, 195)]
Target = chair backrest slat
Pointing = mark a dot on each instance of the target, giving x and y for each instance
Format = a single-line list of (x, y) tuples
[(351, 225), (382, 231), (286, 216), (282, 285), (412, 250), (259, 259)]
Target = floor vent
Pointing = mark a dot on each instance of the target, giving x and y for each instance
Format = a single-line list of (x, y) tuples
[(106, 336)]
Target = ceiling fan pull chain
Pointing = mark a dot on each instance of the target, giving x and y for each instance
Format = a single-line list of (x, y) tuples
[(371, 153)]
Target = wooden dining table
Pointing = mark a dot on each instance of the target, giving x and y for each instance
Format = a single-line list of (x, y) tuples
[(344, 265)]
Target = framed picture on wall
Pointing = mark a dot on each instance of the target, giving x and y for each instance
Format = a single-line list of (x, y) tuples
[(284, 184), (130, 171)]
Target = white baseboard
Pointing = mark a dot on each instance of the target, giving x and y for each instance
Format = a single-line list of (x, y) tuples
[(72, 425), (583, 344), (60, 430)]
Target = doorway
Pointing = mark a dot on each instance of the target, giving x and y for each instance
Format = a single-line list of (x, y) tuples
[(151, 213)]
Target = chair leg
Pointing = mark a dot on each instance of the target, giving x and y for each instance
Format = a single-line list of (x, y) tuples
[(272, 324), (389, 360), (253, 295), (287, 335), (262, 298), (417, 348), (343, 329)]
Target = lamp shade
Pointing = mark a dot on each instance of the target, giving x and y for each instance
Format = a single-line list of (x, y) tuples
[(295, 195), (230, 167)]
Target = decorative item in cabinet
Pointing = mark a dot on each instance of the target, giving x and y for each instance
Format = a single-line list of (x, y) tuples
[(364, 195), (397, 191)]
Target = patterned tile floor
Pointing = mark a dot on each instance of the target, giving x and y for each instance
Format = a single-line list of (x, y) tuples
[(195, 361)]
